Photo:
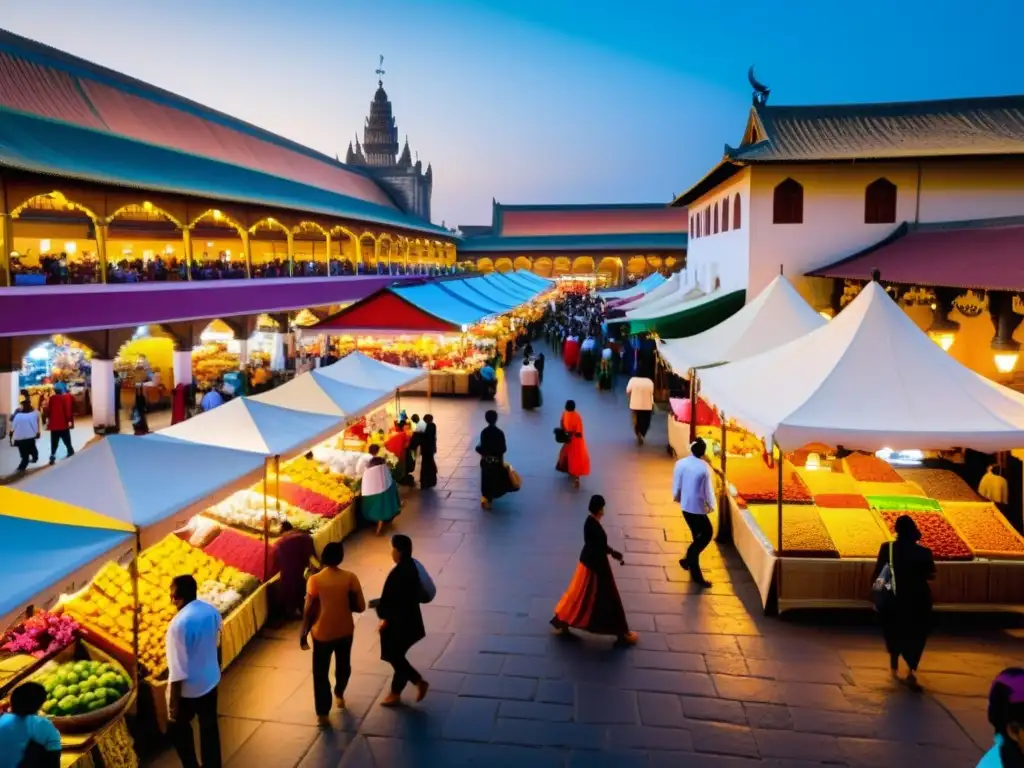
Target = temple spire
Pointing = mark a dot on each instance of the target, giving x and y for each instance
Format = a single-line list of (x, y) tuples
[(406, 159)]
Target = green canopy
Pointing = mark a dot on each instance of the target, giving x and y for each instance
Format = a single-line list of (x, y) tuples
[(691, 317)]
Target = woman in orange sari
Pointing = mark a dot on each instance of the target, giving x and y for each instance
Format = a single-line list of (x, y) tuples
[(573, 459), (592, 602)]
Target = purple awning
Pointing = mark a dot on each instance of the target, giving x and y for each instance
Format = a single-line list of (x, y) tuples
[(44, 310)]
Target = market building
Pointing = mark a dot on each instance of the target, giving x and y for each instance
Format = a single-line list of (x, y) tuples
[(613, 242), (929, 193)]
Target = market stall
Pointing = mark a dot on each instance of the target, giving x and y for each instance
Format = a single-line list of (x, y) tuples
[(646, 285), (686, 312), (59, 360), (811, 507)]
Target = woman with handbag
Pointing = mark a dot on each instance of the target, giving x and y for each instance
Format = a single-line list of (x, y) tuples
[(904, 602), (401, 621), (493, 473), (332, 596), (573, 459), (592, 601)]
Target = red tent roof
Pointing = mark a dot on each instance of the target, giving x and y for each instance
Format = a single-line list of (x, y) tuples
[(385, 311), (967, 254)]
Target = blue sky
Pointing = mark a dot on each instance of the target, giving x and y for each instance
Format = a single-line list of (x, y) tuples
[(538, 102)]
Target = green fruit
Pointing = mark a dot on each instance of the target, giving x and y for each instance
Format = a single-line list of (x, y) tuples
[(49, 684), (61, 678), (102, 669), (81, 666), (109, 679), (48, 706), (86, 697), (59, 692), (74, 690), (86, 686), (92, 706), (72, 678), (68, 704), (124, 683)]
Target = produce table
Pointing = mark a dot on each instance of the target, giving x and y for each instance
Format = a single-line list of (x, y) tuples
[(240, 626), (110, 747), (340, 526)]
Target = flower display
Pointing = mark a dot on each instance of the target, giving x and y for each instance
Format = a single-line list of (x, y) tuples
[(302, 498), (870, 469), (936, 534), (42, 634), (350, 464), (244, 509), (804, 534), (855, 532), (240, 551), (758, 483), (984, 528), (319, 478), (940, 484)]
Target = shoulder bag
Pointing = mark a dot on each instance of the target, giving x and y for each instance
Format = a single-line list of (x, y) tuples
[(884, 589)]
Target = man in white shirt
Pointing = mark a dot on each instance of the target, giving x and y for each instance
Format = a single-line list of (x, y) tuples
[(193, 666), (693, 488), (641, 402)]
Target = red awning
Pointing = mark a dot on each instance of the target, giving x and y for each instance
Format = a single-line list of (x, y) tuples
[(979, 255), (386, 312)]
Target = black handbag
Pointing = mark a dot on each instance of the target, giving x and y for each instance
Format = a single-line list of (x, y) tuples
[(561, 436)]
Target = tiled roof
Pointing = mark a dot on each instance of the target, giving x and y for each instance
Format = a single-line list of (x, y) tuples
[(658, 241), (43, 81), (965, 254), (58, 148), (539, 220), (951, 127)]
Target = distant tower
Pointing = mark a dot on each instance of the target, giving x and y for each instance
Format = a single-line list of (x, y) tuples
[(379, 155)]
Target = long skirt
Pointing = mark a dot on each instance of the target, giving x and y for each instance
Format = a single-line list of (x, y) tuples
[(531, 397), (493, 478), (381, 507), (592, 603), (588, 363), (641, 422), (574, 459), (428, 471), (905, 628), (605, 377)]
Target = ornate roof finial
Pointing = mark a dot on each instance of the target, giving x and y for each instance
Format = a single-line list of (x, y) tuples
[(761, 91), (380, 72)]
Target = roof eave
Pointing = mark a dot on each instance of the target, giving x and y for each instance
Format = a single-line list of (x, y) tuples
[(722, 172)]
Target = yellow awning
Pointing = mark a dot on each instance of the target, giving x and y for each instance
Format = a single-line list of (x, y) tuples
[(28, 506)]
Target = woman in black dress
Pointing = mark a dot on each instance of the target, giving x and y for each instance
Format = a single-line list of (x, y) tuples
[(401, 622), (592, 601), (906, 616), (493, 473), (428, 449)]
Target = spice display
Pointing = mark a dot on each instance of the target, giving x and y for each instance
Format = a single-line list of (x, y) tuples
[(902, 488), (758, 483), (804, 534), (870, 469), (903, 504), (936, 533), (822, 481), (941, 484), (984, 528), (855, 532), (841, 501)]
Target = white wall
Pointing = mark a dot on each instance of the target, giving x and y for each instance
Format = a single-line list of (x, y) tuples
[(833, 225), (726, 254)]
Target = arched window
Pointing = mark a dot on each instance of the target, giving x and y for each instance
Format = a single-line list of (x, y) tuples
[(707, 220), (788, 203), (693, 231), (880, 202), (725, 215), (737, 214), (715, 217)]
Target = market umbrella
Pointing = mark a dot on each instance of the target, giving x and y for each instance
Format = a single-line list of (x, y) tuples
[(363, 371), (315, 392)]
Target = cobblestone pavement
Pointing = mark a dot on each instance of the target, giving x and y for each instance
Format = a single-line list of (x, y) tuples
[(712, 682)]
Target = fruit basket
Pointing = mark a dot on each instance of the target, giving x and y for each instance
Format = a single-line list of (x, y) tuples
[(85, 688), (803, 532), (936, 533), (985, 529)]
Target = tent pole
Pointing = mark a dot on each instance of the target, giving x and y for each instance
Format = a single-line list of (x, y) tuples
[(266, 522), (693, 404), (138, 607), (782, 460), (724, 513)]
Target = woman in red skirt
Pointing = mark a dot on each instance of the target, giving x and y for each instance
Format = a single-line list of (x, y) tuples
[(592, 602)]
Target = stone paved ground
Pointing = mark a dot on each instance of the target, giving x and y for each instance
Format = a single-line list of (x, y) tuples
[(712, 683)]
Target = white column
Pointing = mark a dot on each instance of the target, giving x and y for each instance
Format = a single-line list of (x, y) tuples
[(102, 384), (277, 358), (243, 351), (8, 392), (183, 367)]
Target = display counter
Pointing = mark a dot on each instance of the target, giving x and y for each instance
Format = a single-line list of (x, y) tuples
[(110, 747)]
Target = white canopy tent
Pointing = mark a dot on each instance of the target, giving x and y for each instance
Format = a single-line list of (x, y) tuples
[(868, 379), (646, 285), (363, 371), (314, 392), (667, 288), (778, 315)]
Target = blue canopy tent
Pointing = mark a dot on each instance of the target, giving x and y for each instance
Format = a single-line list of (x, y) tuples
[(483, 286), (462, 290), (116, 478), (513, 289), (245, 424), (431, 298), (541, 283)]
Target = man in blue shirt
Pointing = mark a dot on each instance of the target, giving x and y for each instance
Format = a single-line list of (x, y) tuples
[(693, 488)]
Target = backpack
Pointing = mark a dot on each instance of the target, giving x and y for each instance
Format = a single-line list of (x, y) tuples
[(427, 589)]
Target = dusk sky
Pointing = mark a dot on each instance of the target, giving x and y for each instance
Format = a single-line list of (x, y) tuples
[(537, 102)]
